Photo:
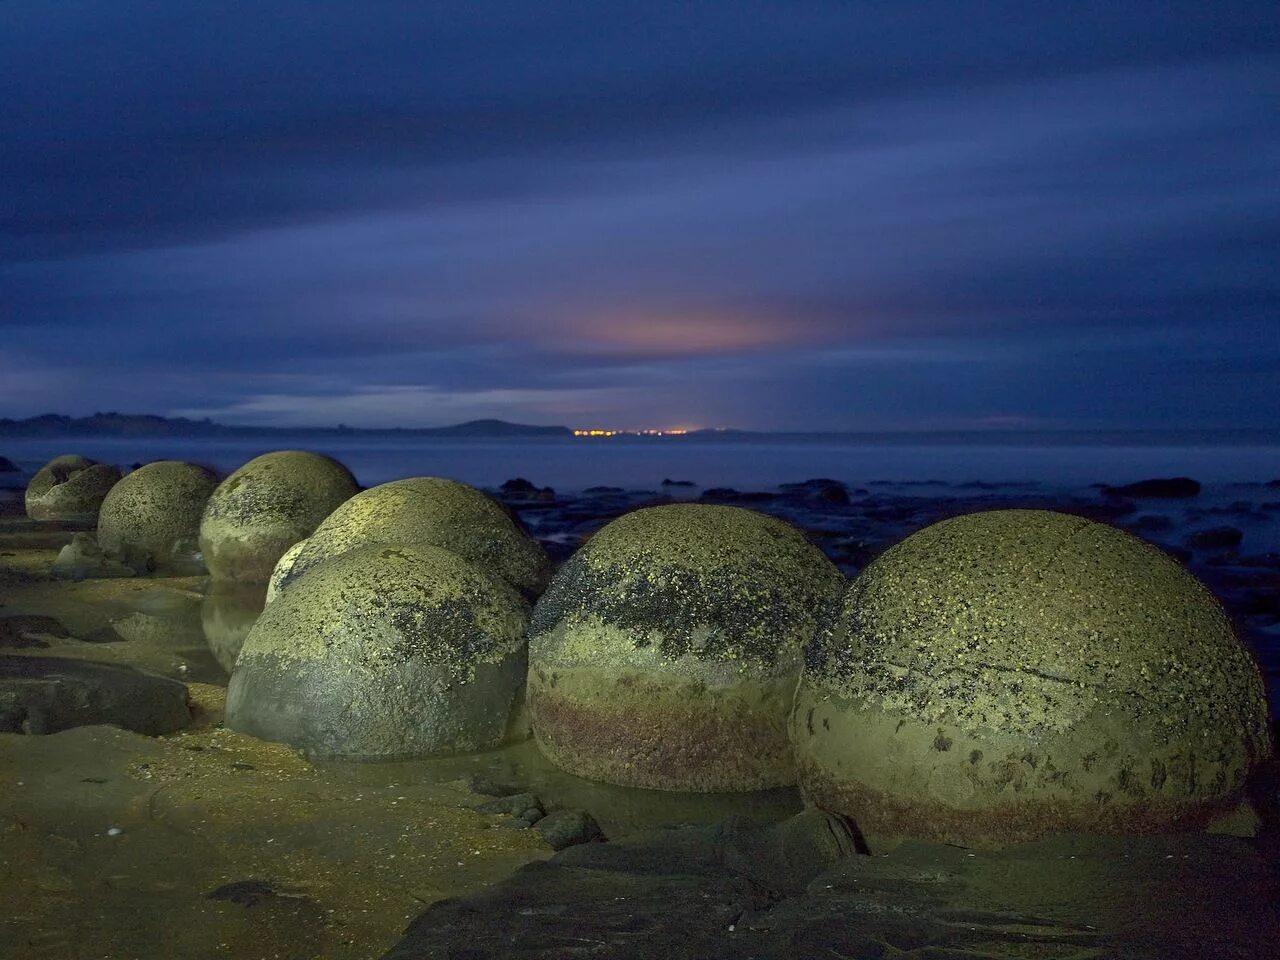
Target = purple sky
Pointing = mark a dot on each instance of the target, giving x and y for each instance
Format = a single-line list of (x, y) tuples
[(761, 215)]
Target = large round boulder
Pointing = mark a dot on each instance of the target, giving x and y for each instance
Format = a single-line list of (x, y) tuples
[(1008, 674), (384, 652), (267, 506), (151, 518), (69, 487), (424, 510), (666, 651)]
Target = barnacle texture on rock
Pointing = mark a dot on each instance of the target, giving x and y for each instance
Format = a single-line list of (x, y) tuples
[(666, 651), (265, 507), (384, 652), (1007, 674), (424, 510), (151, 518)]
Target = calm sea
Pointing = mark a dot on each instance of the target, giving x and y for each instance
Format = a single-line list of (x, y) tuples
[(570, 465)]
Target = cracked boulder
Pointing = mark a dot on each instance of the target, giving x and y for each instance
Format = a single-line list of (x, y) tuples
[(69, 487), (267, 506), (384, 653), (151, 518), (666, 651), (1015, 673)]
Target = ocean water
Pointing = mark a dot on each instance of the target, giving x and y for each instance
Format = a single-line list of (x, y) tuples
[(571, 465)]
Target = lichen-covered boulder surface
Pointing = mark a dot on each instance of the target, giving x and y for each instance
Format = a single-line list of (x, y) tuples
[(69, 487), (425, 510), (151, 518), (665, 652), (1008, 674), (267, 506), (384, 652)]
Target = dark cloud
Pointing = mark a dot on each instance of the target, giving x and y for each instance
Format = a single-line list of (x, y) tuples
[(422, 212)]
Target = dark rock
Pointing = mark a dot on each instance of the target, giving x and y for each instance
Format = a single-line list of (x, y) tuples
[(720, 494), (795, 892), (1150, 523), (522, 489), (488, 787), (566, 828), (243, 893), (522, 806), (1163, 488), (596, 491), (48, 694), (18, 632), (678, 483), (1215, 538), (819, 490), (7, 465)]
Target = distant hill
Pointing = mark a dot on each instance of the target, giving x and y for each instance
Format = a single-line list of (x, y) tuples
[(149, 425)]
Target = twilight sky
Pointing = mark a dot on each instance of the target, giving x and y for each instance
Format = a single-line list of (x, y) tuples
[(785, 215)]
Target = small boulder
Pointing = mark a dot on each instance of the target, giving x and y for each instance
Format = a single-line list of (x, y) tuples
[(151, 518), (267, 506), (566, 828), (69, 487), (384, 652)]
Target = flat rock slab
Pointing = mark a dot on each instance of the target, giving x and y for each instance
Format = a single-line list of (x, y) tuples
[(734, 892), (47, 694)]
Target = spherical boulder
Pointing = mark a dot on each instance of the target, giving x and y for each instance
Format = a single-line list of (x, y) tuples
[(384, 652), (425, 510), (69, 487), (267, 506), (151, 518), (666, 651), (1009, 674)]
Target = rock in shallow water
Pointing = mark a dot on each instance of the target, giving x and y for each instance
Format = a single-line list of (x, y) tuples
[(151, 518), (384, 652), (42, 695), (665, 652), (267, 506), (1007, 674)]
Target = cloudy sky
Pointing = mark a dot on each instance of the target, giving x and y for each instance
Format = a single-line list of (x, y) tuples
[(786, 215)]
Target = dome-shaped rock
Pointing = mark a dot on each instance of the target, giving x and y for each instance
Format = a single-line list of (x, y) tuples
[(425, 510), (1013, 673), (384, 652), (69, 487), (151, 518), (267, 506), (666, 651)]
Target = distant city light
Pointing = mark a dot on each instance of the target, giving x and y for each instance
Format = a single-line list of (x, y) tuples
[(630, 433)]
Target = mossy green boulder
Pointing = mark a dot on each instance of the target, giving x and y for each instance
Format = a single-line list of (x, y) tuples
[(666, 651), (267, 506), (425, 510), (151, 518), (1014, 673), (69, 487), (385, 652)]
